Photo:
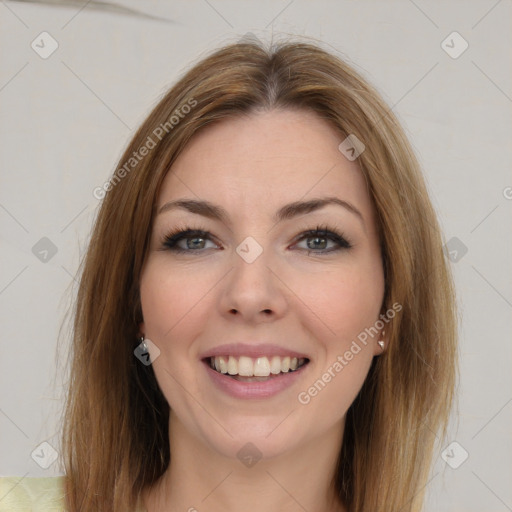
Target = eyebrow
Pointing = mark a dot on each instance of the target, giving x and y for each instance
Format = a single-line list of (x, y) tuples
[(289, 211)]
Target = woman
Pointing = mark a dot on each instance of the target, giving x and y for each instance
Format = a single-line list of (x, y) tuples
[(265, 315)]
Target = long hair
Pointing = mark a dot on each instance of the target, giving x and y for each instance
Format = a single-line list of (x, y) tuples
[(115, 432)]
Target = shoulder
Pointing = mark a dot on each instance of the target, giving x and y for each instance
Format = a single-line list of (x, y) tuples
[(23, 494)]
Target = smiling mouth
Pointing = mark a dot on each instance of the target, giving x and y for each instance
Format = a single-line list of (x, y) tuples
[(258, 369)]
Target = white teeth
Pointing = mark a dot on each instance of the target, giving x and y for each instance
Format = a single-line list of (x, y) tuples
[(259, 367), (245, 367), (275, 365), (232, 366), (223, 364)]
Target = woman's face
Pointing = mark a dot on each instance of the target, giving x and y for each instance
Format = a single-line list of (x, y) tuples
[(258, 282)]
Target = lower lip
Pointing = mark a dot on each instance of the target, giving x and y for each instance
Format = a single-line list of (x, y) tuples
[(265, 389)]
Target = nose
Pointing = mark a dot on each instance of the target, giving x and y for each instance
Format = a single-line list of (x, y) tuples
[(252, 290)]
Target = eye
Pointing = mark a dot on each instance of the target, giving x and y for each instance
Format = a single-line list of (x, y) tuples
[(317, 240), (187, 240)]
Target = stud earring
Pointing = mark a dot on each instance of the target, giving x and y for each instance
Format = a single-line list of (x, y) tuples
[(381, 342)]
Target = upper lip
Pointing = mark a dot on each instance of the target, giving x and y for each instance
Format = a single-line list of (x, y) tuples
[(251, 350)]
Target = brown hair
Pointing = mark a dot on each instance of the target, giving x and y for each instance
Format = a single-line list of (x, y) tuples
[(115, 433)]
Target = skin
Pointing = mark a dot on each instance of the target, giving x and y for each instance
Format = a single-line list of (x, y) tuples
[(316, 303)]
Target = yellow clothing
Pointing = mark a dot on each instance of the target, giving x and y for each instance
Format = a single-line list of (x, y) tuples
[(29, 494)]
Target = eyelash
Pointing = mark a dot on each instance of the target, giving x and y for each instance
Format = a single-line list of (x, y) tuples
[(171, 240)]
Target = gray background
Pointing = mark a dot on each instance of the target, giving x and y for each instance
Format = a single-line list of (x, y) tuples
[(65, 120)]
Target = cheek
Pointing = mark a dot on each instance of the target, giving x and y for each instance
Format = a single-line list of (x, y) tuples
[(171, 301), (175, 306), (343, 303), (344, 308)]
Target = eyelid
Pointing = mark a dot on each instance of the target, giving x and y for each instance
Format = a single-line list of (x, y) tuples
[(321, 231), (182, 233), (341, 240)]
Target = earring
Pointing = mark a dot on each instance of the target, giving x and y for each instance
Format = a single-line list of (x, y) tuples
[(381, 342), (144, 344)]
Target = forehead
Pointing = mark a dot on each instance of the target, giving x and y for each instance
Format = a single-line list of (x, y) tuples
[(266, 159)]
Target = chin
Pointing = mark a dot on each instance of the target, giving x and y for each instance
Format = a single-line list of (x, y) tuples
[(261, 438)]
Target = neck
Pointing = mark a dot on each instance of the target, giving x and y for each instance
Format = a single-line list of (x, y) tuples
[(200, 478)]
